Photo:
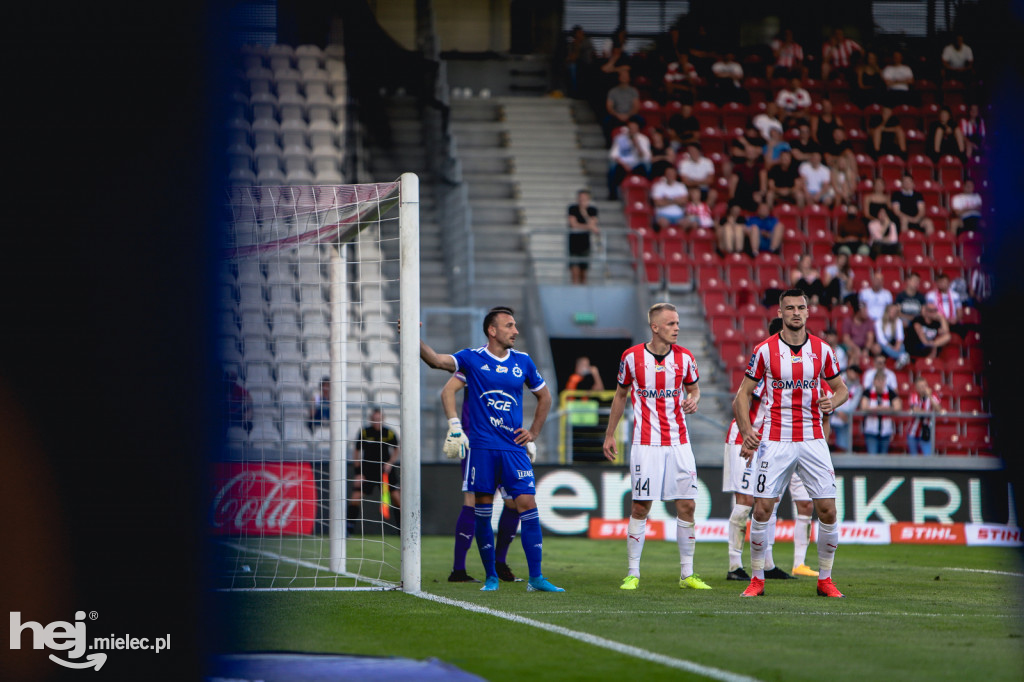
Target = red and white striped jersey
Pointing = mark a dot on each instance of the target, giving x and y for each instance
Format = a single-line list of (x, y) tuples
[(734, 437), (792, 386), (839, 54), (658, 393)]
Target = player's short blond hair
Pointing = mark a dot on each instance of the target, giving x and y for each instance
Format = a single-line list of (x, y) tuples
[(657, 308)]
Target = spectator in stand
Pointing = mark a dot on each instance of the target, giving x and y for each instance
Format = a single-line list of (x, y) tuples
[(785, 183), (883, 230), (979, 287), (875, 297), (910, 300), (886, 134), (869, 87), (618, 60), (859, 330), (973, 130), (795, 103), (320, 412), (844, 180), (767, 120), (741, 144), (669, 198), (898, 79), (840, 147), (958, 61), (663, 154), (683, 127), (945, 138), (579, 61), (621, 105), (585, 377), (928, 333), (966, 209), (807, 278), (669, 46), (947, 301), (804, 143), (681, 80), (727, 81), (731, 231), (823, 123), (764, 230), (909, 209), (630, 153), (879, 364), (889, 337), (789, 58), (582, 221), (839, 281), (776, 145), (817, 180), (838, 55), (697, 170), (879, 402), (238, 403), (748, 181), (832, 339), (852, 234), (698, 212), (842, 417), (925, 402)]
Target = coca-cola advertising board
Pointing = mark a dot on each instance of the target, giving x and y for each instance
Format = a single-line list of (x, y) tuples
[(263, 499)]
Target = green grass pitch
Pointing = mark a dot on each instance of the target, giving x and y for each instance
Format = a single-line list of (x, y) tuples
[(912, 612)]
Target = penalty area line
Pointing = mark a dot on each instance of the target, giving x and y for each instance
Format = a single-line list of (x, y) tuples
[(982, 570), (594, 640)]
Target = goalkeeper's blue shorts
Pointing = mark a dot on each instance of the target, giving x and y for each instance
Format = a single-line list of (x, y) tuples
[(485, 470)]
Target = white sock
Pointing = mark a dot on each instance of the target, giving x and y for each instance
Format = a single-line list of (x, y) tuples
[(801, 539), (636, 534), (758, 547), (686, 538), (828, 541), (737, 533), (769, 558)]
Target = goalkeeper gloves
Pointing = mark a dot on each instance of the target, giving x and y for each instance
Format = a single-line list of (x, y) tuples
[(456, 445), (531, 450)]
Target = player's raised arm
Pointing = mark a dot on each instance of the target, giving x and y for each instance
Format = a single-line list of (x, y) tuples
[(436, 360), (614, 415)]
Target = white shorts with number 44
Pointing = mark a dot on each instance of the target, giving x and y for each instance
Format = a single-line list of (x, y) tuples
[(663, 472)]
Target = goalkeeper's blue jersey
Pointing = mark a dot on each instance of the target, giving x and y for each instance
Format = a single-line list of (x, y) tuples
[(493, 404)]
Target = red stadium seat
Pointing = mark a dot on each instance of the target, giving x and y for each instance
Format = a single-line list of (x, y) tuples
[(708, 267), (636, 188), (929, 92), (909, 116), (921, 168), (816, 217), (861, 266), (679, 270), (977, 438), (702, 241), (651, 112), (950, 168), (953, 94), (794, 243), (672, 240), (865, 167), (707, 115), (713, 140), (788, 215), (712, 293), (891, 167), (736, 267), (922, 266), (838, 91), (858, 141), (642, 239), (943, 244), (917, 142), (734, 115), (654, 266), (913, 244), (850, 115), (939, 217)]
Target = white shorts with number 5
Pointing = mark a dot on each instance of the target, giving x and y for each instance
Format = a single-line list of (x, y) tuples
[(663, 472), (775, 463), (737, 475)]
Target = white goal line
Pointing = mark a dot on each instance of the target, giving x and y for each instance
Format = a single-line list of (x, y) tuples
[(378, 585), (587, 638)]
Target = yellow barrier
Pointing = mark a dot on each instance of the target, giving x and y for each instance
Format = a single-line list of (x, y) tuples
[(585, 415)]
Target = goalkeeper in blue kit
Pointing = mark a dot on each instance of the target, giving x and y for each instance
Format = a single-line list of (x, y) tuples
[(498, 449)]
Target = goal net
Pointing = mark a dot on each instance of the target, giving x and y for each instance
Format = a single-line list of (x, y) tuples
[(317, 485)]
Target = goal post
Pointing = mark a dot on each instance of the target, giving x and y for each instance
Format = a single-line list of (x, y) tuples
[(313, 283)]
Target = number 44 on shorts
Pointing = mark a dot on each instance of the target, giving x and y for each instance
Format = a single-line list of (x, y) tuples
[(642, 487)]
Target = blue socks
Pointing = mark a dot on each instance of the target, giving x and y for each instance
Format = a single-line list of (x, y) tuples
[(533, 541), (464, 529), (485, 537)]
